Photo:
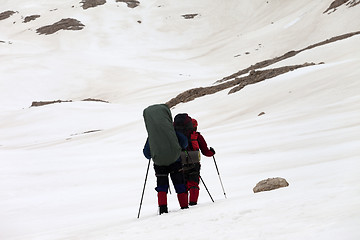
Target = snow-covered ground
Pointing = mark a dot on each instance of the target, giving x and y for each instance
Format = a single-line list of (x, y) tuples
[(76, 171)]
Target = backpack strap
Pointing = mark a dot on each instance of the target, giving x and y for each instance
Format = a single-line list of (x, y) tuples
[(194, 141)]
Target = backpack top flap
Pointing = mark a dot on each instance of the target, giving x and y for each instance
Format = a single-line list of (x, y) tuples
[(164, 145)]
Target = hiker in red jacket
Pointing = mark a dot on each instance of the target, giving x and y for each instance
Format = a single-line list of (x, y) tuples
[(192, 170)]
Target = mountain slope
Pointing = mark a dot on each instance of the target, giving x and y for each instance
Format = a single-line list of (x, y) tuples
[(75, 170)]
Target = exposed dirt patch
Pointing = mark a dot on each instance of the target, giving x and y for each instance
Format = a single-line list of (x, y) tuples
[(337, 3), (42, 103), (86, 132), (92, 3), (94, 100), (130, 3), (258, 65), (330, 40), (353, 3), (30, 18), (261, 75), (189, 16), (90, 131), (63, 24), (6, 14), (236, 84)]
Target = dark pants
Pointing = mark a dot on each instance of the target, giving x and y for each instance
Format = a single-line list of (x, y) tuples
[(192, 172), (176, 175), (192, 178)]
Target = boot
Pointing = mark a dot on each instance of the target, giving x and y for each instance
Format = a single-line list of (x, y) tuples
[(163, 209), (183, 200)]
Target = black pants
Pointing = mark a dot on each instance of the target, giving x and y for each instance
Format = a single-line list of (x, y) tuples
[(192, 172), (176, 175)]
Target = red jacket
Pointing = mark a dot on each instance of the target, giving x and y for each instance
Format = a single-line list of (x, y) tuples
[(203, 145)]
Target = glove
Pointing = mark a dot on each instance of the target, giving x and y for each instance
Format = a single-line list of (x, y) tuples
[(212, 150)]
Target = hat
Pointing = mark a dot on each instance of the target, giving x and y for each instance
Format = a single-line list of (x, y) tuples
[(194, 122)]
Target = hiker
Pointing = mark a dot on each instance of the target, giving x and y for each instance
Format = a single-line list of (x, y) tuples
[(191, 157), (164, 146)]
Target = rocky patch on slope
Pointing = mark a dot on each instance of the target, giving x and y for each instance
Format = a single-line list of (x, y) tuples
[(92, 3), (90, 131), (79, 134), (63, 24), (237, 84), (255, 75), (189, 16), (94, 100), (337, 3), (6, 14), (43, 103), (30, 18), (289, 54), (130, 3)]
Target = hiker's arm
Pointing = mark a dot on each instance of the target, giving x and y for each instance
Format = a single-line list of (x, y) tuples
[(183, 141), (203, 147), (146, 150)]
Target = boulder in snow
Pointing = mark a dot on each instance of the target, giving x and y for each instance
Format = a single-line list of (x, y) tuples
[(270, 184)]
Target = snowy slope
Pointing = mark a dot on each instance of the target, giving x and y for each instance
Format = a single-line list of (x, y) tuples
[(75, 170)]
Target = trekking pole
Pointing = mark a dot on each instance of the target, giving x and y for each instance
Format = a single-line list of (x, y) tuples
[(206, 188), (169, 188), (219, 176), (142, 195)]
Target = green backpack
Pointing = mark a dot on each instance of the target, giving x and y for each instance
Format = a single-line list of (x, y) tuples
[(163, 142)]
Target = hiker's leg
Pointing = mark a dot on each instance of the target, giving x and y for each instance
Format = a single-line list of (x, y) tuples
[(193, 184), (177, 178), (162, 186)]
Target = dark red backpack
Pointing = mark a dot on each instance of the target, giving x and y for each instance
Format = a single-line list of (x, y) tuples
[(183, 123)]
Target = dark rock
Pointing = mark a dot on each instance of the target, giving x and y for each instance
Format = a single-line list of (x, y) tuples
[(189, 16)]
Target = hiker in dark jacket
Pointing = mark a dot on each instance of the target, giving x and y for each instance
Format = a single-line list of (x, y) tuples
[(192, 171), (164, 146)]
